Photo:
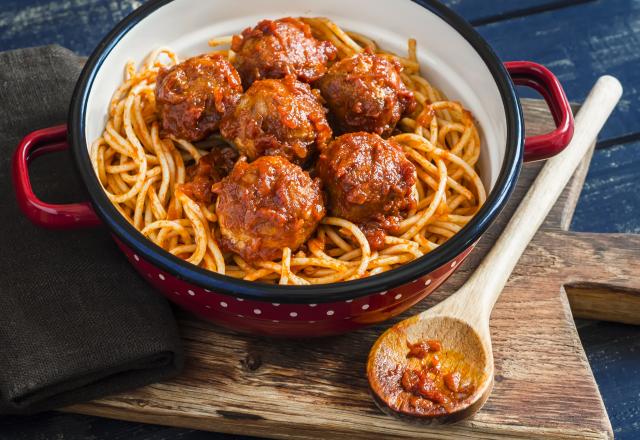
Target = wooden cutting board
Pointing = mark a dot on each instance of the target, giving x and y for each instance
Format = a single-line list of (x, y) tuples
[(312, 389)]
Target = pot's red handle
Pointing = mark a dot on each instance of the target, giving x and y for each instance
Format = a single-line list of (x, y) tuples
[(66, 216), (538, 77)]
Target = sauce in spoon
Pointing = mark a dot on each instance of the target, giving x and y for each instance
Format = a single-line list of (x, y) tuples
[(435, 380)]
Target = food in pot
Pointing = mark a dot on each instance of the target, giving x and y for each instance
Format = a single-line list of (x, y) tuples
[(226, 180), (369, 181), (266, 206), (209, 169), (193, 96), (278, 117), (365, 92), (276, 48)]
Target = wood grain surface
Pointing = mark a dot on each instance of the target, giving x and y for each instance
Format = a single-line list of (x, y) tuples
[(310, 389)]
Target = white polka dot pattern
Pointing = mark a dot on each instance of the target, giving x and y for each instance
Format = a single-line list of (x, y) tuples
[(250, 314)]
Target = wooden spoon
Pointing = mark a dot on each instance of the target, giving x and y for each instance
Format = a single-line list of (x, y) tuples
[(461, 322)]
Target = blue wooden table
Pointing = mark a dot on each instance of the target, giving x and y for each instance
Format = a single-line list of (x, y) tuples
[(578, 39)]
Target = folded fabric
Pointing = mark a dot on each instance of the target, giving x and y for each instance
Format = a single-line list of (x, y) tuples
[(76, 321)]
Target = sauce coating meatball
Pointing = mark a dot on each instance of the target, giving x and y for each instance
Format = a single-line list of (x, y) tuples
[(211, 168), (282, 47), (193, 96), (369, 181), (265, 206), (278, 117), (365, 93)]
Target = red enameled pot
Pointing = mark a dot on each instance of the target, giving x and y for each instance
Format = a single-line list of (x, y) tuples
[(452, 55)]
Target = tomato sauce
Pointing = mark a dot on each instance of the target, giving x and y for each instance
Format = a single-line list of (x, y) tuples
[(430, 388)]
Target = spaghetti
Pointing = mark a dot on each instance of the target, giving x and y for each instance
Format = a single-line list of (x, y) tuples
[(141, 172)]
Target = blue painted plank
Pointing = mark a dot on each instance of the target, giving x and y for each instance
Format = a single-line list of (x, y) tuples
[(613, 351), (80, 24), (64, 426), (579, 44), (76, 24), (610, 200), (474, 10)]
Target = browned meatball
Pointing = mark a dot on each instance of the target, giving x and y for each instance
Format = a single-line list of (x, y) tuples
[(265, 206), (278, 117), (211, 168), (282, 47), (365, 93), (193, 96), (369, 181)]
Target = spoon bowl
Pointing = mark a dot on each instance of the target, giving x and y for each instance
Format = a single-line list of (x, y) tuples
[(463, 350)]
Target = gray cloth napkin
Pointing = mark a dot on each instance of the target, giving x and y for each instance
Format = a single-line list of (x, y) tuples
[(76, 321)]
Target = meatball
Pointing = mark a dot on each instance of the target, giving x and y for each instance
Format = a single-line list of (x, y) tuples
[(193, 96), (277, 48), (365, 93), (369, 181), (265, 206), (209, 169), (278, 117)]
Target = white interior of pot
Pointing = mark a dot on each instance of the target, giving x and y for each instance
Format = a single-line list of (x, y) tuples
[(447, 59)]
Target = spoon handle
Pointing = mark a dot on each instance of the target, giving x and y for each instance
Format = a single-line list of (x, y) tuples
[(484, 287)]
